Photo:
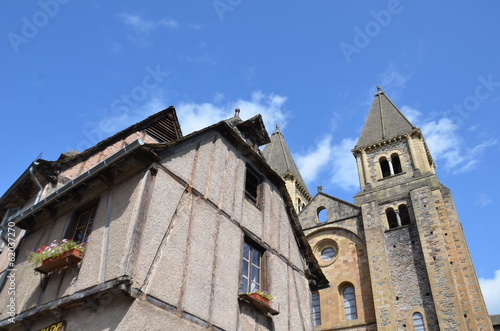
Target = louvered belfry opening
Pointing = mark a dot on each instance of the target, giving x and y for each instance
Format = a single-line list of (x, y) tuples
[(163, 130)]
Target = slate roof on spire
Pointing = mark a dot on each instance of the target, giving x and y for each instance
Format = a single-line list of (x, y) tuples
[(384, 121), (278, 156)]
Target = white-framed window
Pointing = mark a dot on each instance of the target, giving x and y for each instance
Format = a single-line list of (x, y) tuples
[(251, 269)]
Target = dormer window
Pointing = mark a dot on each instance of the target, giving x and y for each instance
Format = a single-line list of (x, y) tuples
[(390, 167), (253, 186)]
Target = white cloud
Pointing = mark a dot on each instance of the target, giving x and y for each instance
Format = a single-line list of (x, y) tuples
[(448, 148), (446, 144), (333, 162), (315, 160), (344, 170), (393, 80), (144, 25), (491, 292), (195, 116), (484, 200), (411, 114)]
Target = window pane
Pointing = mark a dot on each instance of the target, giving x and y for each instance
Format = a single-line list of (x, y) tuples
[(246, 251), (255, 275), (254, 287), (84, 223), (349, 303), (244, 269), (255, 258), (316, 309), (244, 285), (418, 322), (328, 254)]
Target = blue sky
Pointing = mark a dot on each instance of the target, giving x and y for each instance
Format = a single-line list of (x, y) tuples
[(75, 72)]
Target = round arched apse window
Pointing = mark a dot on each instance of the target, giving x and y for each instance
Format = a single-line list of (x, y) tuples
[(328, 254)]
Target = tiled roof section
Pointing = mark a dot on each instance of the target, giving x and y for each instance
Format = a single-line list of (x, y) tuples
[(384, 121), (280, 159)]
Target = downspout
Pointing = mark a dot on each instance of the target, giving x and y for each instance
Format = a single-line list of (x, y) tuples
[(37, 182)]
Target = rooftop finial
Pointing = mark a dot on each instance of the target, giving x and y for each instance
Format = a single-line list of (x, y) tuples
[(277, 128), (237, 112), (379, 89)]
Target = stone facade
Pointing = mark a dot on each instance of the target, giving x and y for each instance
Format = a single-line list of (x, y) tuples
[(400, 245)]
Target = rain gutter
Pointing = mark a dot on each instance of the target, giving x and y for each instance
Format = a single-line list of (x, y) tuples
[(23, 214)]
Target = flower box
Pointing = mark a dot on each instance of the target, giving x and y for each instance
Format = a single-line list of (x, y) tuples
[(259, 302), (260, 298), (57, 262)]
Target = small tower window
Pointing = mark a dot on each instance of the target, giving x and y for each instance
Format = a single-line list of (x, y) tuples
[(399, 217), (322, 216), (392, 218), (390, 167), (316, 308), (384, 166), (349, 303), (418, 322), (404, 215), (396, 163)]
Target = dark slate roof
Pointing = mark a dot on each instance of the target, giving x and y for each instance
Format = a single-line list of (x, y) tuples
[(495, 319), (384, 121), (278, 156)]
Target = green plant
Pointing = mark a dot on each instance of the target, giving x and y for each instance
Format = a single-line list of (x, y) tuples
[(53, 250), (263, 294)]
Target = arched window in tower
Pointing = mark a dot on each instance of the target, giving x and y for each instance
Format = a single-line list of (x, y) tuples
[(384, 166), (392, 218), (404, 215), (300, 205), (349, 297), (418, 322), (322, 216), (396, 163)]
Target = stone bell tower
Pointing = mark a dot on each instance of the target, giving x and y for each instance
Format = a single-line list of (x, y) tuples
[(421, 272)]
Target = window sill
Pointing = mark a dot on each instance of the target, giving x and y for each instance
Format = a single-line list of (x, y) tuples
[(392, 176), (259, 305), (398, 227)]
